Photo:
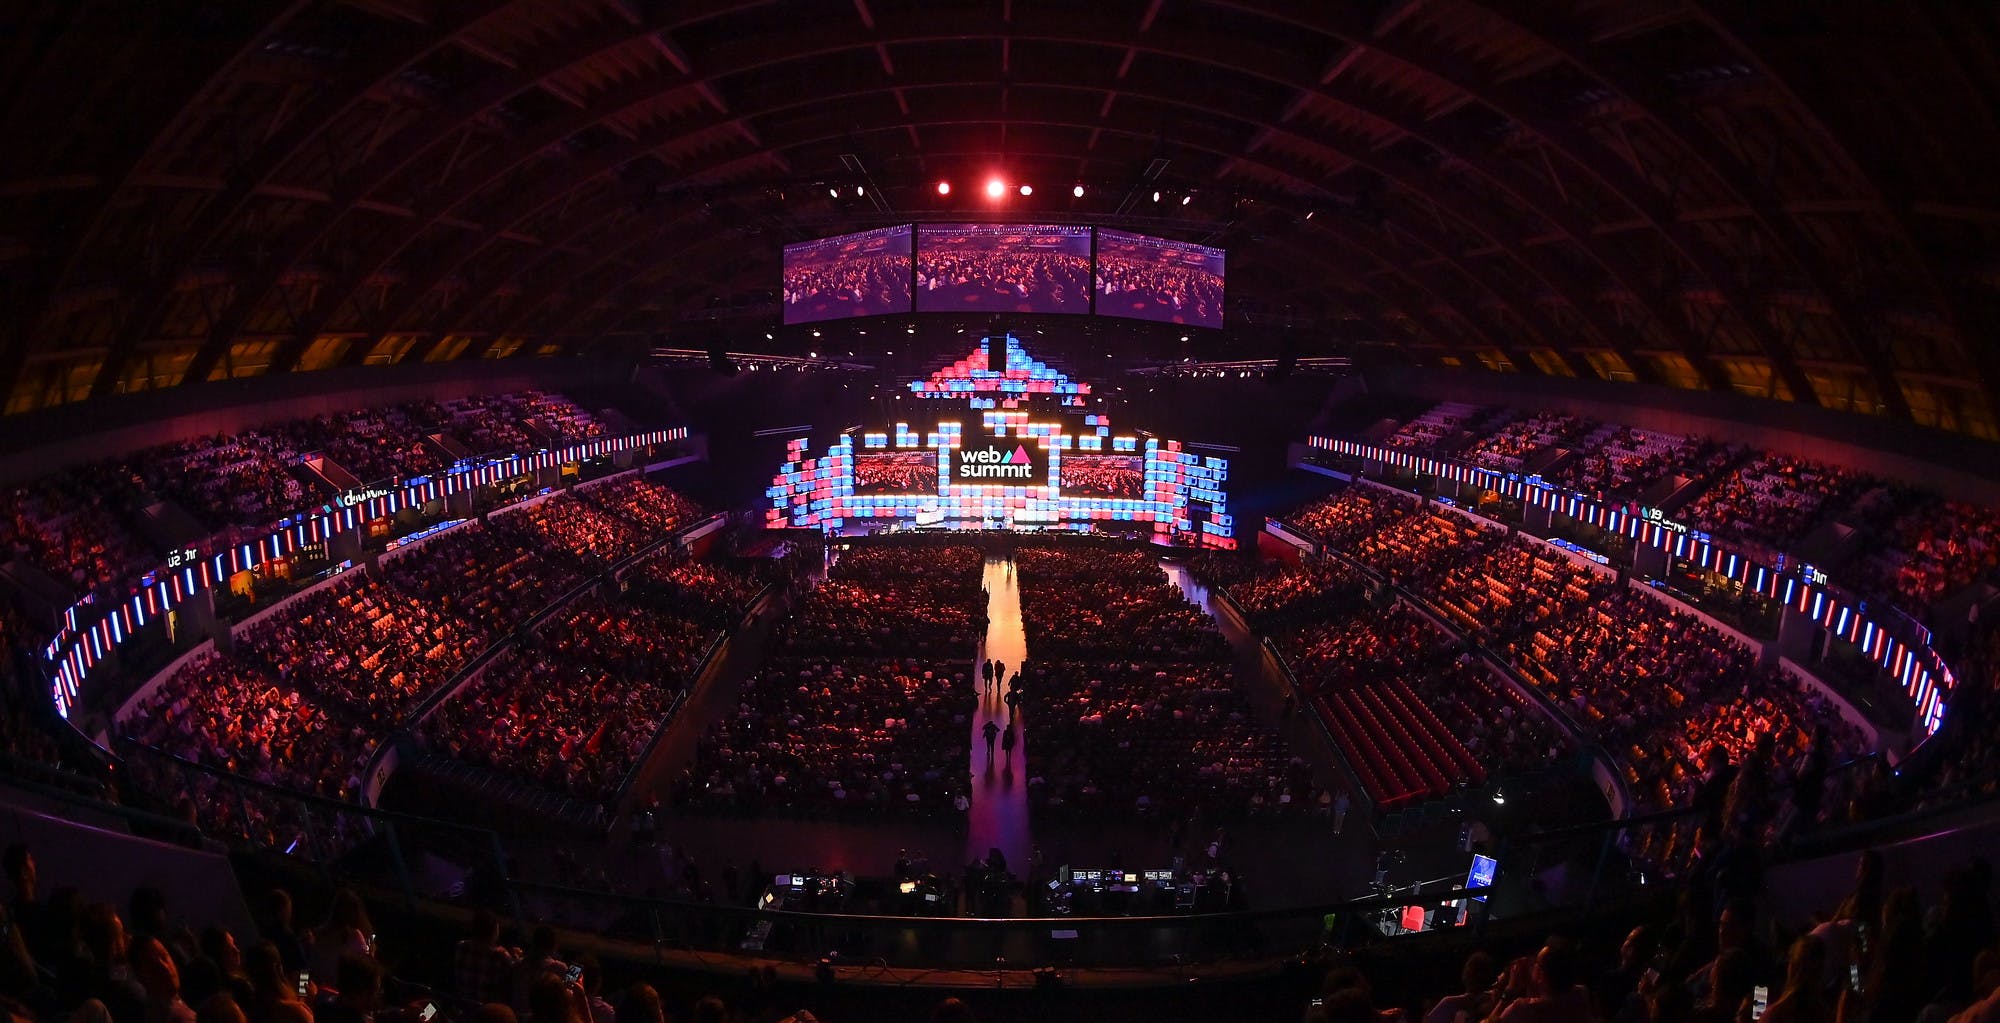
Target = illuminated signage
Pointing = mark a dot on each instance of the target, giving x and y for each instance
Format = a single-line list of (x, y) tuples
[(1023, 465)]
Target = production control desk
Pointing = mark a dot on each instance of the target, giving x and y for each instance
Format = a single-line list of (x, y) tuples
[(1105, 892)]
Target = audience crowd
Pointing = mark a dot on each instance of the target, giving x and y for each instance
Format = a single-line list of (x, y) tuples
[(1621, 461), (574, 706), (1510, 447), (1135, 704), (1771, 502), (1023, 280), (864, 707)]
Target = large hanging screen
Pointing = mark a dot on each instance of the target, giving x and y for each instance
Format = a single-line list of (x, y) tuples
[(1150, 278), (863, 274), (1003, 268)]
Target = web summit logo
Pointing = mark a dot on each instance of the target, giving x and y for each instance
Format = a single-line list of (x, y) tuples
[(992, 463)]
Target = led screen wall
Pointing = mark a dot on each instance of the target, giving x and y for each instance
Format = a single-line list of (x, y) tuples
[(982, 467), (1150, 278), (1003, 268), (864, 274)]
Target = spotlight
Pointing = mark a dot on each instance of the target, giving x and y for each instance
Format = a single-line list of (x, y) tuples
[(767, 335), (812, 355), (1027, 190), (1309, 214), (1156, 197), (815, 333), (833, 193), (1184, 337), (1186, 199), (995, 188), (944, 188), (860, 190), (1077, 191)]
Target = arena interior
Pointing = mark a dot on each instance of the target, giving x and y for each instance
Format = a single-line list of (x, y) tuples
[(628, 511)]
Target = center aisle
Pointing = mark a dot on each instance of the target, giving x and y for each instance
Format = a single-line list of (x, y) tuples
[(998, 817)]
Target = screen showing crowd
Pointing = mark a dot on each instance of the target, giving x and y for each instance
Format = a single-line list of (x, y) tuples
[(1159, 279), (1003, 268), (863, 274), (1118, 476), (896, 472)]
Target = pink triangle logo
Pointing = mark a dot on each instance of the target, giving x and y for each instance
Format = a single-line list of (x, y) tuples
[(1020, 456)]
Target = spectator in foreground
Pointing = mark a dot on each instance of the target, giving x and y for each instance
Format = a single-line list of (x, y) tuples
[(1558, 997), (481, 966)]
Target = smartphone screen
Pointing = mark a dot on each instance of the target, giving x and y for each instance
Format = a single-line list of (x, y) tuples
[(430, 1011), (305, 983), (575, 974), (1854, 976), (1760, 999)]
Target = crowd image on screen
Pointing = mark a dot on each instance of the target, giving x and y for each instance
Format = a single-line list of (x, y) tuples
[(1152, 279), (852, 275), (896, 472), (1117, 476), (1023, 269)]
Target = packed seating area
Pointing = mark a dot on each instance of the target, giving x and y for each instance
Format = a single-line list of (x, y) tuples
[(72, 526), (1772, 501), (864, 707), (313, 687), (573, 706), (491, 577), (1514, 444), (1295, 589), (1351, 512), (1624, 461), (1913, 548), (1663, 691), (364, 646), (893, 600), (575, 527), (1439, 428), (1135, 705), (82, 526), (1657, 687), (1415, 713), (655, 508), (1098, 604), (236, 714), (1922, 547)]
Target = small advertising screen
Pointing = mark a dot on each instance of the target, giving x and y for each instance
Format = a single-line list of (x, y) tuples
[(864, 274), (1481, 874), (1000, 462), (1120, 476), (896, 472), (1003, 268), (1148, 278)]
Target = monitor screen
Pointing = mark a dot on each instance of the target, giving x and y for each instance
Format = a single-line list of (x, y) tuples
[(1150, 278), (1003, 268), (896, 472), (1120, 476), (784, 880), (1481, 874), (864, 274)]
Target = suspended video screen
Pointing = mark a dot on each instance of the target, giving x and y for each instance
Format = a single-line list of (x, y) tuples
[(1120, 476), (1003, 268), (1148, 278), (896, 472), (862, 274)]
